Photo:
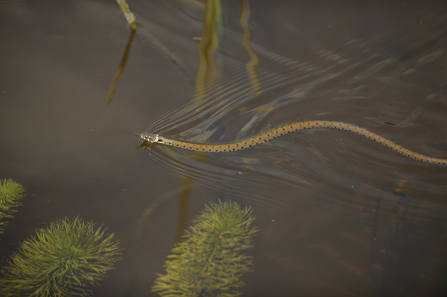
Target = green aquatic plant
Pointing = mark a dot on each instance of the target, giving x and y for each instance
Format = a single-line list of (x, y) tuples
[(127, 13), (65, 259), (209, 261), (148, 37), (10, 194)]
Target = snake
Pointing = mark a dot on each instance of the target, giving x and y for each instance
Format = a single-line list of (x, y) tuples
[(286, 129)]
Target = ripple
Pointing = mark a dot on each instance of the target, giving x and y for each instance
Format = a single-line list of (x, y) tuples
[(356, 83)]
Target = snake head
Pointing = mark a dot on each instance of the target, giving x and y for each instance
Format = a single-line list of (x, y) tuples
[(150, 137)]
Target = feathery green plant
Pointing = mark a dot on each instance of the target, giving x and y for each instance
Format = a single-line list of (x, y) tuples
[(208, 262), (10, 194), (65, 259)]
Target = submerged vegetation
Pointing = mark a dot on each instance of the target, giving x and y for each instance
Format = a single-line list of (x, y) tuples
[(65, 259), (208, 262), (10, 194)]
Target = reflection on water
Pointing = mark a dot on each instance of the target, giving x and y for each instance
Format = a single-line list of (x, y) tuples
[(338, 214), (121, 67), (323, 178)]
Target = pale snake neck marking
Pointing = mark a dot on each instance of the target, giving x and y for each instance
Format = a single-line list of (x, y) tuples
[(285, 129)]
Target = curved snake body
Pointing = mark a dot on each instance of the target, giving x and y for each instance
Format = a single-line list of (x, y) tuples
[(285, 129)]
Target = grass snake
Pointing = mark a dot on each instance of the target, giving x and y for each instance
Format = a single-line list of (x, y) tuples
[(285, 129)]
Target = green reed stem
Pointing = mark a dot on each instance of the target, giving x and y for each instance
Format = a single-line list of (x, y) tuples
[(127, 13)]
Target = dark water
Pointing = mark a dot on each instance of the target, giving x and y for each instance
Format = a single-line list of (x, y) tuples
[(338, 214)]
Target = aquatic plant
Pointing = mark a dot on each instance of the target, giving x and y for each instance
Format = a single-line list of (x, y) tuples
[(127, 13), (65, 259), (148, 37), (10, 194), (208, 262)]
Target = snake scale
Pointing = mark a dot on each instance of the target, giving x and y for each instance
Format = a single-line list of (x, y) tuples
[(285, 129)]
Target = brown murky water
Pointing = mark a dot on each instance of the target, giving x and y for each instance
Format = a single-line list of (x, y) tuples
[(339, 215)]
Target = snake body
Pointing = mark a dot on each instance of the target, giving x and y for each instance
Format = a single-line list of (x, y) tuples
[(285, 129)]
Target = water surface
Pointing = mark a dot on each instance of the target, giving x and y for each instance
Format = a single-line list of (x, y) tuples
[(339, 215)]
